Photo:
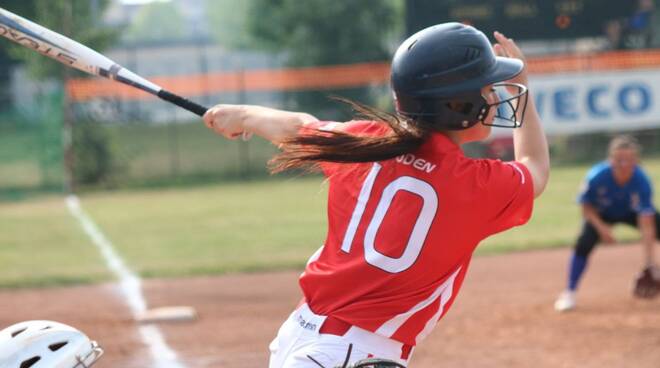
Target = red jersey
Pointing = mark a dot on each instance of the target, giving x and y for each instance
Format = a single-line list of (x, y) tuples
[(401, 233)]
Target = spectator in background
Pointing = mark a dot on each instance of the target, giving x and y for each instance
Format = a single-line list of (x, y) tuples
[(613, 33), (615, 191), (638, 29)]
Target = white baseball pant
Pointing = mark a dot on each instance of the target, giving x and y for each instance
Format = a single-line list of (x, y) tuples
[(298, 339)]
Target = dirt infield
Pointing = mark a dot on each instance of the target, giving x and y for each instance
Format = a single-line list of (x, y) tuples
[(503, 317)]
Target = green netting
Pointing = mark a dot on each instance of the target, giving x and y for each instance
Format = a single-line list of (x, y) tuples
[(31, 148)]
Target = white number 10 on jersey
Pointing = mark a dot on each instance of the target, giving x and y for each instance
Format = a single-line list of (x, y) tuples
[(418, 235)]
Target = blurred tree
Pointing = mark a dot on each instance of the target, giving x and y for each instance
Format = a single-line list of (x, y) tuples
[(227, 20), (82, 27), (23, 8), (157, 21), (80, 21), (96, 155), (320, 32)]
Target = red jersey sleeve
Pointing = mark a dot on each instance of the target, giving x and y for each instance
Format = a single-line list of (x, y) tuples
[(509, 198), (358, 127)]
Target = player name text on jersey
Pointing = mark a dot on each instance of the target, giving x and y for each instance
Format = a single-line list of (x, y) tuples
[(417, 163)]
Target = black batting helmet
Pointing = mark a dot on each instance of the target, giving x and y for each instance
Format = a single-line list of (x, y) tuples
[(438, 74)]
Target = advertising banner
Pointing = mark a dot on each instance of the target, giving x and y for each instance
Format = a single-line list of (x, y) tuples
[(597, 101)]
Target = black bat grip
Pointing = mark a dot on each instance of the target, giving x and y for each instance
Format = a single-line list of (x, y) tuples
[(182, 102)]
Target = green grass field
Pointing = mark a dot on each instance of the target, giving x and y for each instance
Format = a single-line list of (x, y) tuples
[(236, 227), (20, 155), (41, 244)]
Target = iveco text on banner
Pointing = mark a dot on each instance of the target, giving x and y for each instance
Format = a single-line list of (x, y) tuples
[(597, 101)]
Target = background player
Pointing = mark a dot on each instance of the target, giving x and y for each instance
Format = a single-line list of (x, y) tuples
[(406, 208), (615, 191)]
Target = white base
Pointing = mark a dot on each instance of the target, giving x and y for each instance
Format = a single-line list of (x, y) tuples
[(168, 314)]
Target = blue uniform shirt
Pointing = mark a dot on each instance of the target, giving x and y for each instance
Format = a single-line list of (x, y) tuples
[(613, 201)]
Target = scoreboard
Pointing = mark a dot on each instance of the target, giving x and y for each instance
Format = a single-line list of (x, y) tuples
[(521, 19)]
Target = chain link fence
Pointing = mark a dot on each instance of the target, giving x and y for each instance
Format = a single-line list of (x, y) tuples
[(124, 138), (31, 147), (133, 150)]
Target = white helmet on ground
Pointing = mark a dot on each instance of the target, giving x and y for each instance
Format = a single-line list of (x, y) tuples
[(46, 344)]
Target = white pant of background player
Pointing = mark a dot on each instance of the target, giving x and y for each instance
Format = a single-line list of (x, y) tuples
[(299, 337)]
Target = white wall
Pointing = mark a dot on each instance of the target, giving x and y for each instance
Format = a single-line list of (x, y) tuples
[(583, 102)]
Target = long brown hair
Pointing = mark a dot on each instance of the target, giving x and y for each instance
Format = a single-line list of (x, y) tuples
[(307, 150)]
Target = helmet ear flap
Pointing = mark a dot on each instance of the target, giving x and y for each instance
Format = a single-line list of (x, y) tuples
[(457, 113)]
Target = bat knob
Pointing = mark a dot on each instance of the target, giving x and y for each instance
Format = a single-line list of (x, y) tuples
[(246, 136)]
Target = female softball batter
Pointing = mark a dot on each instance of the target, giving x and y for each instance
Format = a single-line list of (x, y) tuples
[(406, 208)]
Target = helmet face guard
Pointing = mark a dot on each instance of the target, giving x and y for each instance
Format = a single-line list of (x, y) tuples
[(511, 105), (90, 356)]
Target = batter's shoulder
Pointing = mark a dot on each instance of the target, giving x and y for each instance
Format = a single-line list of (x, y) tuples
[(366, 127), (484, 171)]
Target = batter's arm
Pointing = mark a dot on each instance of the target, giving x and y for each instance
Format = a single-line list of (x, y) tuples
[(646, 224), (272, 124), (530, 144)]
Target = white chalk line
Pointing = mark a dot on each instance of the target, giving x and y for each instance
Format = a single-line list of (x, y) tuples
[(130, 287)]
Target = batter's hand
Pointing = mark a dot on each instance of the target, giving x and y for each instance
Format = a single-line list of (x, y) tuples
[(226, 120), (506, 47)]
